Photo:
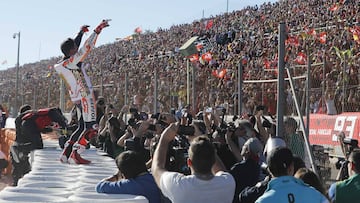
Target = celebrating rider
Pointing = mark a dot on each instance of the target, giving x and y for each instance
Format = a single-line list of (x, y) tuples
[(72, 71)]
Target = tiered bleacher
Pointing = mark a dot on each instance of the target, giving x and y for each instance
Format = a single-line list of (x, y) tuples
[(248, 36)]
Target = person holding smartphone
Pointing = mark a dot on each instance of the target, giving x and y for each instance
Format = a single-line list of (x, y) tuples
[(208, 181)]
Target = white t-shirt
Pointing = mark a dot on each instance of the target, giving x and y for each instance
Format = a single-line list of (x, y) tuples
[(180, 188)]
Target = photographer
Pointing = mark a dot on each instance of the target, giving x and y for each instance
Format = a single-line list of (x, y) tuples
[(236, 138), (111, 129), (247, 172), (348, 190), (217, 134), (145, 134), (135, 137), (141, 131), (207, 183), (261, 123)]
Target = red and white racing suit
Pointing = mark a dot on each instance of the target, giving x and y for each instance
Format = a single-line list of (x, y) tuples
[(80, 91)]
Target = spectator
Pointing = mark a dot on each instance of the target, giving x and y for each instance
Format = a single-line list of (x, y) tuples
[(259, 114), (236, 139), (330, 102), (294, 141), (247, 172), (254, 46), (348, 190), (110, 130), (207, 183), (20, 165), (132, 178), (251, 194), (100, 108), (284, 187), (29, 126), (310, 178), (3, 116), (3, 162)]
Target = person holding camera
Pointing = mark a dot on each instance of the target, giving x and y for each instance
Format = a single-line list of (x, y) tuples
[(348, 190), (235, 139), (111, 128), (261, 122), (132, 178), (137, 137), (247, 172), (207, 183)]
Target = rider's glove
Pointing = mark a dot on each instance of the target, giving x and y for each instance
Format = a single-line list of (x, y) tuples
[(84, 28), (103, 24)]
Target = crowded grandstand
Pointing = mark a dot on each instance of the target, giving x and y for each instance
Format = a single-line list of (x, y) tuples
[(248, 36)]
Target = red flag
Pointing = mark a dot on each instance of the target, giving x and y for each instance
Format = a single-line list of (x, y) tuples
[(267, 64), (219, 73), (138, 30), (334, 7), (222, 73), (301, 58), (214, 73), (244, 61), (292, 40), (194, 57), (207, 56), (311, 32), (322, 37), (199, 46), (209, 24)]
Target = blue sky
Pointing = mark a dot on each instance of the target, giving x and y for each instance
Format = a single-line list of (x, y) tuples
[(44, 24)]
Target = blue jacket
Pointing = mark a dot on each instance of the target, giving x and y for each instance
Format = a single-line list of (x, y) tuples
[(287, 189), (142, 185)]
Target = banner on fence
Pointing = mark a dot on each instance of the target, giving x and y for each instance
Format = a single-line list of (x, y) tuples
[(325, 128)]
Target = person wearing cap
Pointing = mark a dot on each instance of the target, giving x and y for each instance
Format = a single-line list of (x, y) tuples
[(247, 172), (348, 190), (284, 187)]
